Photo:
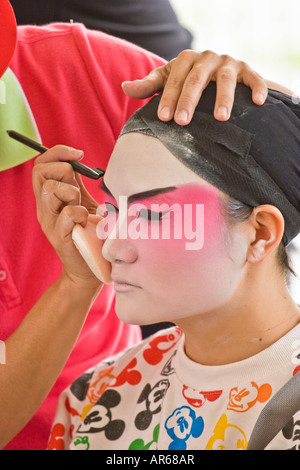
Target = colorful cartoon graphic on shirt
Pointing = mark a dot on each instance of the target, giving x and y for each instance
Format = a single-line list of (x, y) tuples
[(241, 399), (160, 345), (70, 409), (100, 417), (129, 375), (100, 383), (168, 368), (153, 398), (295, 357), (197, 399), (225, 434), (291, 431), (106, 378), (139, 444), (80, 386), (181, 425), (56, 440), (81, 443)]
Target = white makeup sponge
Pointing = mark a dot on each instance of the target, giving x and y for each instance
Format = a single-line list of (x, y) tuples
[(90, 247)]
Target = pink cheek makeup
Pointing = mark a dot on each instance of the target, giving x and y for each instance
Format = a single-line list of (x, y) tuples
[(185, 219), (191, 214), (168, 263)]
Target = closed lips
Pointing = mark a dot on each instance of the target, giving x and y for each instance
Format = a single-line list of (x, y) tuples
[(118, 280)]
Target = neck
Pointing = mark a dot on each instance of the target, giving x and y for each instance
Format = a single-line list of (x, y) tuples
[(259, 314)]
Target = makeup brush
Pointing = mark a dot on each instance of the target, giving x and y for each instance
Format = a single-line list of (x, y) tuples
[(94, 173)]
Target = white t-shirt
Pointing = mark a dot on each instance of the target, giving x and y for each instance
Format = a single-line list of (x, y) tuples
[(154, 397)]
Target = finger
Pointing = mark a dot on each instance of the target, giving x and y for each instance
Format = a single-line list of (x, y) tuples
[(178, 73), (65, 193), (68, 218), (258, 85), (192, 90), (59, 171), (54, 197), (226, 80), (61, 236), (227, 76), (147, 86), (59, 153), (196, 81), (86, 199)]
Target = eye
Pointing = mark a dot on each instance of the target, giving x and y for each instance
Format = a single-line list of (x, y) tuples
[(110, 208), (147, 214)]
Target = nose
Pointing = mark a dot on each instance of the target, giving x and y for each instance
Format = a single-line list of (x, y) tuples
[(117, 247), (119, 251)]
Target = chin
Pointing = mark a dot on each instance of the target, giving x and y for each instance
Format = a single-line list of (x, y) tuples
[(137, 314), (128, 314)]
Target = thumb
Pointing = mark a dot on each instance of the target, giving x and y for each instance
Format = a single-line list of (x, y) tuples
[(147, 86)]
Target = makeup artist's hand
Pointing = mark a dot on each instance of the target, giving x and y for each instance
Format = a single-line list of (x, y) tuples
[(62, 201), (184, 78)]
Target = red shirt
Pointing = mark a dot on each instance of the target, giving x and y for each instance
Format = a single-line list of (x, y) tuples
[(72, 79)]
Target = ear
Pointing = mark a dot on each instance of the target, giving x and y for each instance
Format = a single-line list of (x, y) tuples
[(267, 224)]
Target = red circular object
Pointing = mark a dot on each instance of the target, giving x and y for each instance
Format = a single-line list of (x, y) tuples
[(8, 34)]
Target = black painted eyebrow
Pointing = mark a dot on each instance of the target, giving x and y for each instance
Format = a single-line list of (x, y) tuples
[(142, 195), (150, 193)]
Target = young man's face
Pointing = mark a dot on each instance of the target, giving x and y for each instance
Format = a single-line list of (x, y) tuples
[(167, 242)]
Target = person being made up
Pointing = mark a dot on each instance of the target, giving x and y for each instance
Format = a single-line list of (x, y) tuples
[(197, 223), (63, 86)]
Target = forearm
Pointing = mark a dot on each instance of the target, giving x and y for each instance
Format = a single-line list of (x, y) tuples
[(278, 87), (38, 350)]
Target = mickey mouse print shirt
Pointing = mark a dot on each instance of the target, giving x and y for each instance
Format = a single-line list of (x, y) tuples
[(154, 397)]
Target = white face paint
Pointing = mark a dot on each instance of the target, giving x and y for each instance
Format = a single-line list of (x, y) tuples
[(166, 278)]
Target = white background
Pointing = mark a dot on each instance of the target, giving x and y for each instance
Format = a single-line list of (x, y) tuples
[(263, 33)]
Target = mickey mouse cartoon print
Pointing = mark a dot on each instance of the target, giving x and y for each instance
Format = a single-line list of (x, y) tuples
[(100, 418), (181, 425)]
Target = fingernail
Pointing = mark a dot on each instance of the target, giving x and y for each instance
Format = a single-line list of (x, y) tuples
[(164, 112), (78, 154), (182, 116), (222, 112), (260, 98), (132, 82)]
